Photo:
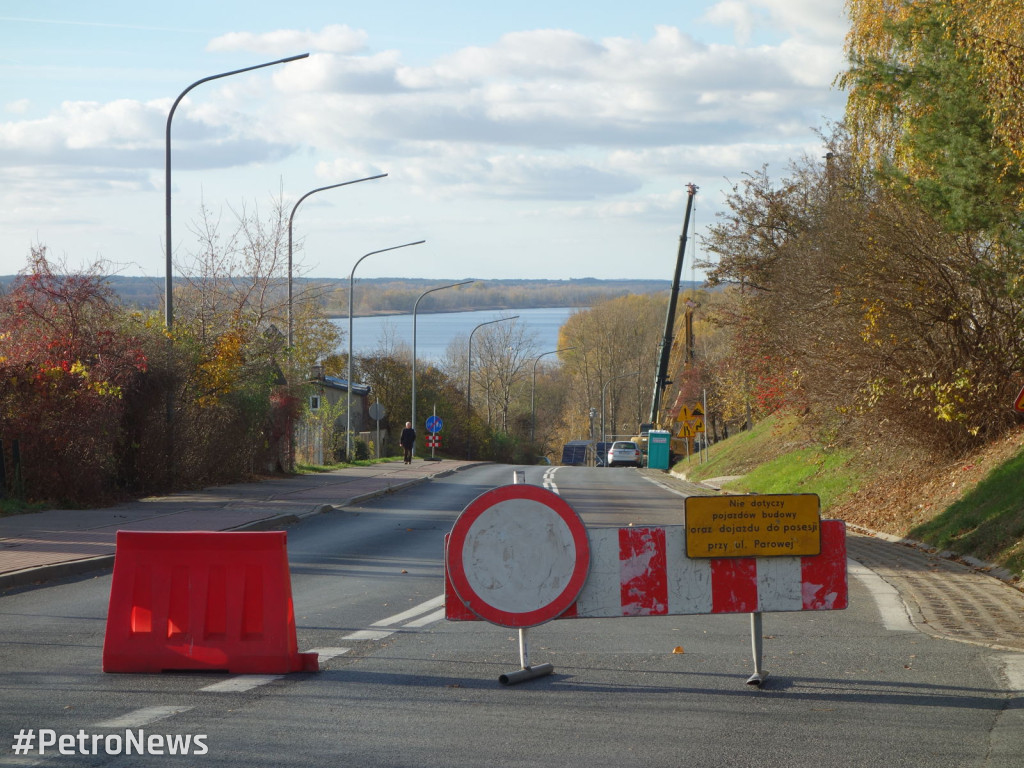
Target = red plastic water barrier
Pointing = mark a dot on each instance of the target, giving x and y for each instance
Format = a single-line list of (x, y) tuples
[(202, 601)]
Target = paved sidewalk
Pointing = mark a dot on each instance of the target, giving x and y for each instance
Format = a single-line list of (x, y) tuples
[(958, 601), (57, 543)]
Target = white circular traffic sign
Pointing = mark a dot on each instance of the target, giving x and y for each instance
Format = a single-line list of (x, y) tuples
[(518, 556)]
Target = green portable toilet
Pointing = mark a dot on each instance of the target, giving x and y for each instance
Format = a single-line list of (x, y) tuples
[(659, 442)]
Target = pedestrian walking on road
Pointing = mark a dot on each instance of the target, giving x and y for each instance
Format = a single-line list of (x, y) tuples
[(407, 441)]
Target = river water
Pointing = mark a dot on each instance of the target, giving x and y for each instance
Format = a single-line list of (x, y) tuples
[(434, 332)]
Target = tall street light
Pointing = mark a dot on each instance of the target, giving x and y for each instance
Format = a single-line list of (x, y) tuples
[(604, 391), (415, 306), (469, 376), (290, 219), (348, 397), (169, 278), (533, 391)]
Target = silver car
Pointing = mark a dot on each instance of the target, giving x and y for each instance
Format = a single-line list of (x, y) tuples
[(625, 453)]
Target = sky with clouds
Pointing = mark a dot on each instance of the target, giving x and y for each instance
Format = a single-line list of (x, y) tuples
[(534, 139)]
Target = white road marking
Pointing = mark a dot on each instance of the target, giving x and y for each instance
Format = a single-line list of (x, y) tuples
[(661, 485), (326, 654), (890, 605), (248, 682), (423, 621), (398, 618), (548, 481), (141, 717), (1013, 668), (369, 634), (413, 612), (241, 683)]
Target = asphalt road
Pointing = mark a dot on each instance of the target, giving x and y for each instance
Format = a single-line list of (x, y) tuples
[(399, 686)]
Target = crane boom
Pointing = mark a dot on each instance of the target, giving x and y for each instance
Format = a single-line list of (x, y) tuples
[(661, 378)]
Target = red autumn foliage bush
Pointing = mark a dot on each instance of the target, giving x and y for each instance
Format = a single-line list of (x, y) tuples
[(67, 358)]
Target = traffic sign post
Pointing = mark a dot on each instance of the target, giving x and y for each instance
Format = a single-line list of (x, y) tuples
[(515, 561), (434, 425), (518, 556), (377, 413), (691, 422), (768, 525)]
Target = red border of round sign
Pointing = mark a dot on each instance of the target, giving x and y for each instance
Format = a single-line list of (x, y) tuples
[(1018, 404), (457, 541)]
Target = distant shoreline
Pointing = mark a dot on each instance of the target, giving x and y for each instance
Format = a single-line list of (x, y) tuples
[(405, 312), (386, 297)]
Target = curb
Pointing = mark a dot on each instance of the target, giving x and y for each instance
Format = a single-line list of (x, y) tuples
[(35, 576), (102, 563), (989, 569)]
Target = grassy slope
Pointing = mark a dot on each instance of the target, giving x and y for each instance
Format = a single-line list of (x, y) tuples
[(973, 506)]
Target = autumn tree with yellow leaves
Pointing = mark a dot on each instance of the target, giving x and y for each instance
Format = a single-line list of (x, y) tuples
[(935, 103)]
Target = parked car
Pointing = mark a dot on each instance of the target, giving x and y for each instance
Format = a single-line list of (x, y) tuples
[(625, 452)]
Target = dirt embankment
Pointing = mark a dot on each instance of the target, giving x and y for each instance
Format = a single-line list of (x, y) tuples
[(916, 488)]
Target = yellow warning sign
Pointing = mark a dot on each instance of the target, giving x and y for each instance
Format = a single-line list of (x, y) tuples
[(690, 421), (769, 525)]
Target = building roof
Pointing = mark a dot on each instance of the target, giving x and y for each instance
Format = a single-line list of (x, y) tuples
[(334, 382)]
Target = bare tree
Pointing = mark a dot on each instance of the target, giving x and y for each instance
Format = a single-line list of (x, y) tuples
[(503, 358)]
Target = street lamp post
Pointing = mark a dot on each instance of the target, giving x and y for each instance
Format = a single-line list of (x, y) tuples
[(348, 397), (169, 244), (604, 391), (533, 391), (169, 278), (469, 376), (593, 455), (290, 219), (415, 306)]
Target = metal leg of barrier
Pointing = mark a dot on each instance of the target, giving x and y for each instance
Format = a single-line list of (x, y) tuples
[(527, 672), (756, 638)]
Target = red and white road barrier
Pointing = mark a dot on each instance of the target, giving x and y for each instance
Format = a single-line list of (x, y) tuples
[(645, 572), (519, 556)]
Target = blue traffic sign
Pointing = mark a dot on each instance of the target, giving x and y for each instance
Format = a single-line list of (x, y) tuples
[(434, 424)]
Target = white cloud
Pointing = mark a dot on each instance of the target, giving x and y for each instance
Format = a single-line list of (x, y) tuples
[(552, 89), (334, 73), (17, 107), (541, 114), (735, 13), (122, 124), (131, 134), (821, 21), (337, 38), (815, 20)]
